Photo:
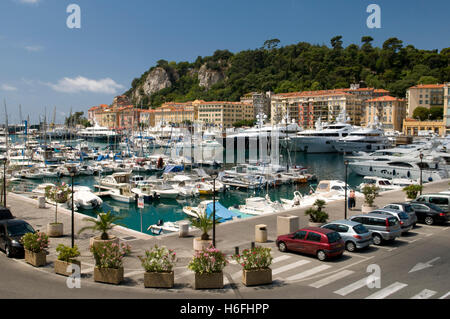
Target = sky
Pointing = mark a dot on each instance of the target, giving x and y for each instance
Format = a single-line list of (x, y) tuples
[(44, 64)]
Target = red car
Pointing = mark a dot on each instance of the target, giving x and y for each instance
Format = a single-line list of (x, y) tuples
[(322, 242)]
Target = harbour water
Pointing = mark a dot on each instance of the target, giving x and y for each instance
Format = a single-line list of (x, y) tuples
[(324, 166)]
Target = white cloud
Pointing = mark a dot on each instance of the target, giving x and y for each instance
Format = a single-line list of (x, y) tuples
[(82, 84), (33, 48), (7, 87)]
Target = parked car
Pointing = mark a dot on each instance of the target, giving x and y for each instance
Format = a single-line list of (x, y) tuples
[(441, 200), (321, 242), (430, 213), (355, 235), (406, 223), (404, 207), (382, 227), (11, 232), (5, 213)]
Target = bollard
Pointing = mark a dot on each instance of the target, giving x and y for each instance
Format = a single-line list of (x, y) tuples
[(253, 244)]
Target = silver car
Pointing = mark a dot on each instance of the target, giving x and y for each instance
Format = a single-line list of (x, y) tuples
[(406, 222), (404, 207), (382, 227), (355, 235)]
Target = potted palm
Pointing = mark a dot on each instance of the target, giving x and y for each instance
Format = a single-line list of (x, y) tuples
[(103, 224), (208, 265), (205, 223), (59, 195), (370, 193), (109, 262), (66, 258), (255, 263), (158, 264), (35, 245), (412, 191), (317, 216)]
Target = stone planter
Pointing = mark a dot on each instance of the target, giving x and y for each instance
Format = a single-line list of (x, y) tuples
[(200, 244), (311, 224), (97, 240), (108, 275), (257, 277), (36, 259), (159, 279), (55, 229), (367, 209), (209, 281), (61, 267)]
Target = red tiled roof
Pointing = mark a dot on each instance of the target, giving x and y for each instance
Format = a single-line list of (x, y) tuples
[(386, 98), (427, 86)]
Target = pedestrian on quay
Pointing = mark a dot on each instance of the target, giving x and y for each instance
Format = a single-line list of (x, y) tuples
[(352, 199)]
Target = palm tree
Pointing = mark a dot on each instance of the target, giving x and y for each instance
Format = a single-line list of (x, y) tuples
[(103, 224), (204, 223)]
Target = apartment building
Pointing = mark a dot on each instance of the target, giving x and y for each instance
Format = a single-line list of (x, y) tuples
[(147, 118), (424, 95), (176, 113), (260, 102), (447, 108), (389, 110), (412, 127), (224, 114)]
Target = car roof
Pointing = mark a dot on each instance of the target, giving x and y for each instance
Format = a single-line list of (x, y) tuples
[(374, 215), (344, 222), (13, 221), (388, 210), (318, 230), (435, 194), (404, 203)]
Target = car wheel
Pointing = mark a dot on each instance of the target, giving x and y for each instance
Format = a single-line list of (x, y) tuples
[(282, 247), (8, 251), (321, 255), (429, 220), (350, 246), (377, 239)]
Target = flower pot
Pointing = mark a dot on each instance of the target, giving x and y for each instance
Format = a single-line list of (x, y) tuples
[(200, 244), (36, 259), (311, 224), (209, 281), (367, 209), (97, 240), (257, 277), (61, 267), (108, 275), (159, 279), (55, 229)]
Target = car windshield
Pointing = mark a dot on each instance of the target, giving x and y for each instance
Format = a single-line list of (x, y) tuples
[(360, 229), (408, 209), (403, 215), (333, 237), (19, 229)]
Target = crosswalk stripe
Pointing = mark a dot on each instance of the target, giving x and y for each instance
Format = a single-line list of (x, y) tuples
[(183, 274), (278, 259), (352, 287), (389, 290), (328, 280), (424, 294), (309, 272), (131, 274), (289, 267), (445, 296)]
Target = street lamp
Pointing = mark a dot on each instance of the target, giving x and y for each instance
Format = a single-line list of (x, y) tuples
[(72, 171), (346, 177), (421, 158), (3, 160), (214, 177)]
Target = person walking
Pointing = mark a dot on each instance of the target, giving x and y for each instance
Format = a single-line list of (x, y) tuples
[(352, 199)]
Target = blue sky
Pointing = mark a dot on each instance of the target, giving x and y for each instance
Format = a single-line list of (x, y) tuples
[(44, 64)]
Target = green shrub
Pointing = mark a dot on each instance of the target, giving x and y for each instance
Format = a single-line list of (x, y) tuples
[(208, 261), (370, 193), (159, 259), (108, 255), (412, 190), (67, 253), (255, 258), (36, 242)]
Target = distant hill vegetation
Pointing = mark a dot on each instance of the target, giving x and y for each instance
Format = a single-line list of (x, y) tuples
[(298, 67)]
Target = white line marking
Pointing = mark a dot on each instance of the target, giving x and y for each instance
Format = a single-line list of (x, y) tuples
[(183, 274), (133, 273), (389, 290), (280, 258), (445, 296), (387, 248), (289, 267), (87, 270), (352, 287), (309, 272), (332, 278), (424, 294)]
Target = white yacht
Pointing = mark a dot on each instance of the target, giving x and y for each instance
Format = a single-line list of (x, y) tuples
[(364, 139), (321, 139), (260, 206), (97, 132), (84, 198), (383, 184)]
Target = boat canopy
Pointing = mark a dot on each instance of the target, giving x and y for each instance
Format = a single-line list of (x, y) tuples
[(222, 212), (173, 168)]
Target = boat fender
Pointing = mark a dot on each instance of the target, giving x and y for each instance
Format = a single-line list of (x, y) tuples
[(408, 174), (430, 179)]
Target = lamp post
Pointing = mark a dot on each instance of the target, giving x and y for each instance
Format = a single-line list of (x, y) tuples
[(421, 158), (3, 160), (214, 177), (346, 177), (72, 171)]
